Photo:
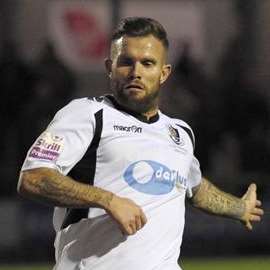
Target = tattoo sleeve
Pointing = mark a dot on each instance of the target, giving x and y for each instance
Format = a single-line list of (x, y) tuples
[(214, 201), (51, 187)]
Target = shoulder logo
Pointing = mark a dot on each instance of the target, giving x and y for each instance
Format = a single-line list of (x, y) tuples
[(133, 129), (97, 99), (174, 134), (47, 147)]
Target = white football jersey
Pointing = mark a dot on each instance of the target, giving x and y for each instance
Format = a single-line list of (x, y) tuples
[(151, 162)]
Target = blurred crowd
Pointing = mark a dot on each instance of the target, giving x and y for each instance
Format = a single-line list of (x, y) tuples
[(229, 116), (228, 113), (30, 96)]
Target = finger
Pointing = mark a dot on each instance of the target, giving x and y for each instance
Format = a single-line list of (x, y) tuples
[(258, 211), (143, 218), (255, 218), (138, 223), (258, 203), (128, 230), (123, 230), (133, 227), (249, 226)]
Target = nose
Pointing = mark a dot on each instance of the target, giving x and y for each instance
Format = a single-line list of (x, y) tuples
[(135, 72)]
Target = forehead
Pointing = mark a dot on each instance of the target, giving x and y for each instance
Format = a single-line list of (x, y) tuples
[(138, 46)]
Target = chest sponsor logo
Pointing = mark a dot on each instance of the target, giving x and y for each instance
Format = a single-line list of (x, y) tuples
[(151, 177), (47, 147), (133, 128)]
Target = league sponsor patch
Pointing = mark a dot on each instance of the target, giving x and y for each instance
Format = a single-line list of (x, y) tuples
[(48, 147)]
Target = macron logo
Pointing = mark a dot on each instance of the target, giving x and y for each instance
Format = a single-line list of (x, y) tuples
[(133, 129)]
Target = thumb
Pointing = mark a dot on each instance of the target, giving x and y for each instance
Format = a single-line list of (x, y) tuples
[(251, 192)]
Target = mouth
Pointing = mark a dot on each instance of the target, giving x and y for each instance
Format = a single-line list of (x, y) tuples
[(134, 87)]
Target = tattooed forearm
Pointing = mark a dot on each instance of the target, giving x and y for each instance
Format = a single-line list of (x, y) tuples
[(49, 186), (214, 201)]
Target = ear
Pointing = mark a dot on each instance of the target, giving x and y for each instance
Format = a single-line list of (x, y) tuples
[(165, 73), (108, 66)]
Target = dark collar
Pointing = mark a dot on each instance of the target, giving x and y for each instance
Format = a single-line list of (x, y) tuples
[(139, 116)]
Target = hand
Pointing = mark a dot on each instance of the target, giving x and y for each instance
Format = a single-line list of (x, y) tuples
[(253, 212), (127, 214)]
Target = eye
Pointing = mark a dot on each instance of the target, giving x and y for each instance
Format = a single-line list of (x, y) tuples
[(148, 63), (124, 61)]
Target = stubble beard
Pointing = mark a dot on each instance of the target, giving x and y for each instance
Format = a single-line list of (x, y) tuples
[(134, 103)]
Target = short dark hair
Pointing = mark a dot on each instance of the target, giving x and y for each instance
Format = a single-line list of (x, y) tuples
[(139, 27)]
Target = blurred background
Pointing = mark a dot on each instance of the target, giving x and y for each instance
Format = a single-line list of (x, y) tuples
[(52, 51)]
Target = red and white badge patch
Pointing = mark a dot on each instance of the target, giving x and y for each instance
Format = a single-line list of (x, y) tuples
[(47, 147)]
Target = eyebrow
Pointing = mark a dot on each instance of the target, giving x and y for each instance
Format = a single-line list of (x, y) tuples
[(150, 59), (144, 59)]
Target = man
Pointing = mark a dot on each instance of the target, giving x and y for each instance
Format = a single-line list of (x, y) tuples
[(129, 167)]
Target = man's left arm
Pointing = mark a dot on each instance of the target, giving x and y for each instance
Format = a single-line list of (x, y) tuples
[(212, 200)]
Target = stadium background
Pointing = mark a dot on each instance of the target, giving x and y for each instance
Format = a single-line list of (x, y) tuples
[(52, 51)]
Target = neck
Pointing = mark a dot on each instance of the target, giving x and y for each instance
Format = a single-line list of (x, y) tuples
[(150, 113), (149, 116)]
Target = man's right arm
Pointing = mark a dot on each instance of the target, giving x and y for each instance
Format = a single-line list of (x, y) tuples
[(51, 187)]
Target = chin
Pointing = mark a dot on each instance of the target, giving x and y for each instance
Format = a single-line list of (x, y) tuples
[(137, 103), (127, 96), (134, 99)]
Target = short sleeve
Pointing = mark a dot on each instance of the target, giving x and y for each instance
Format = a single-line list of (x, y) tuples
[(65, 140), (194, 176)]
